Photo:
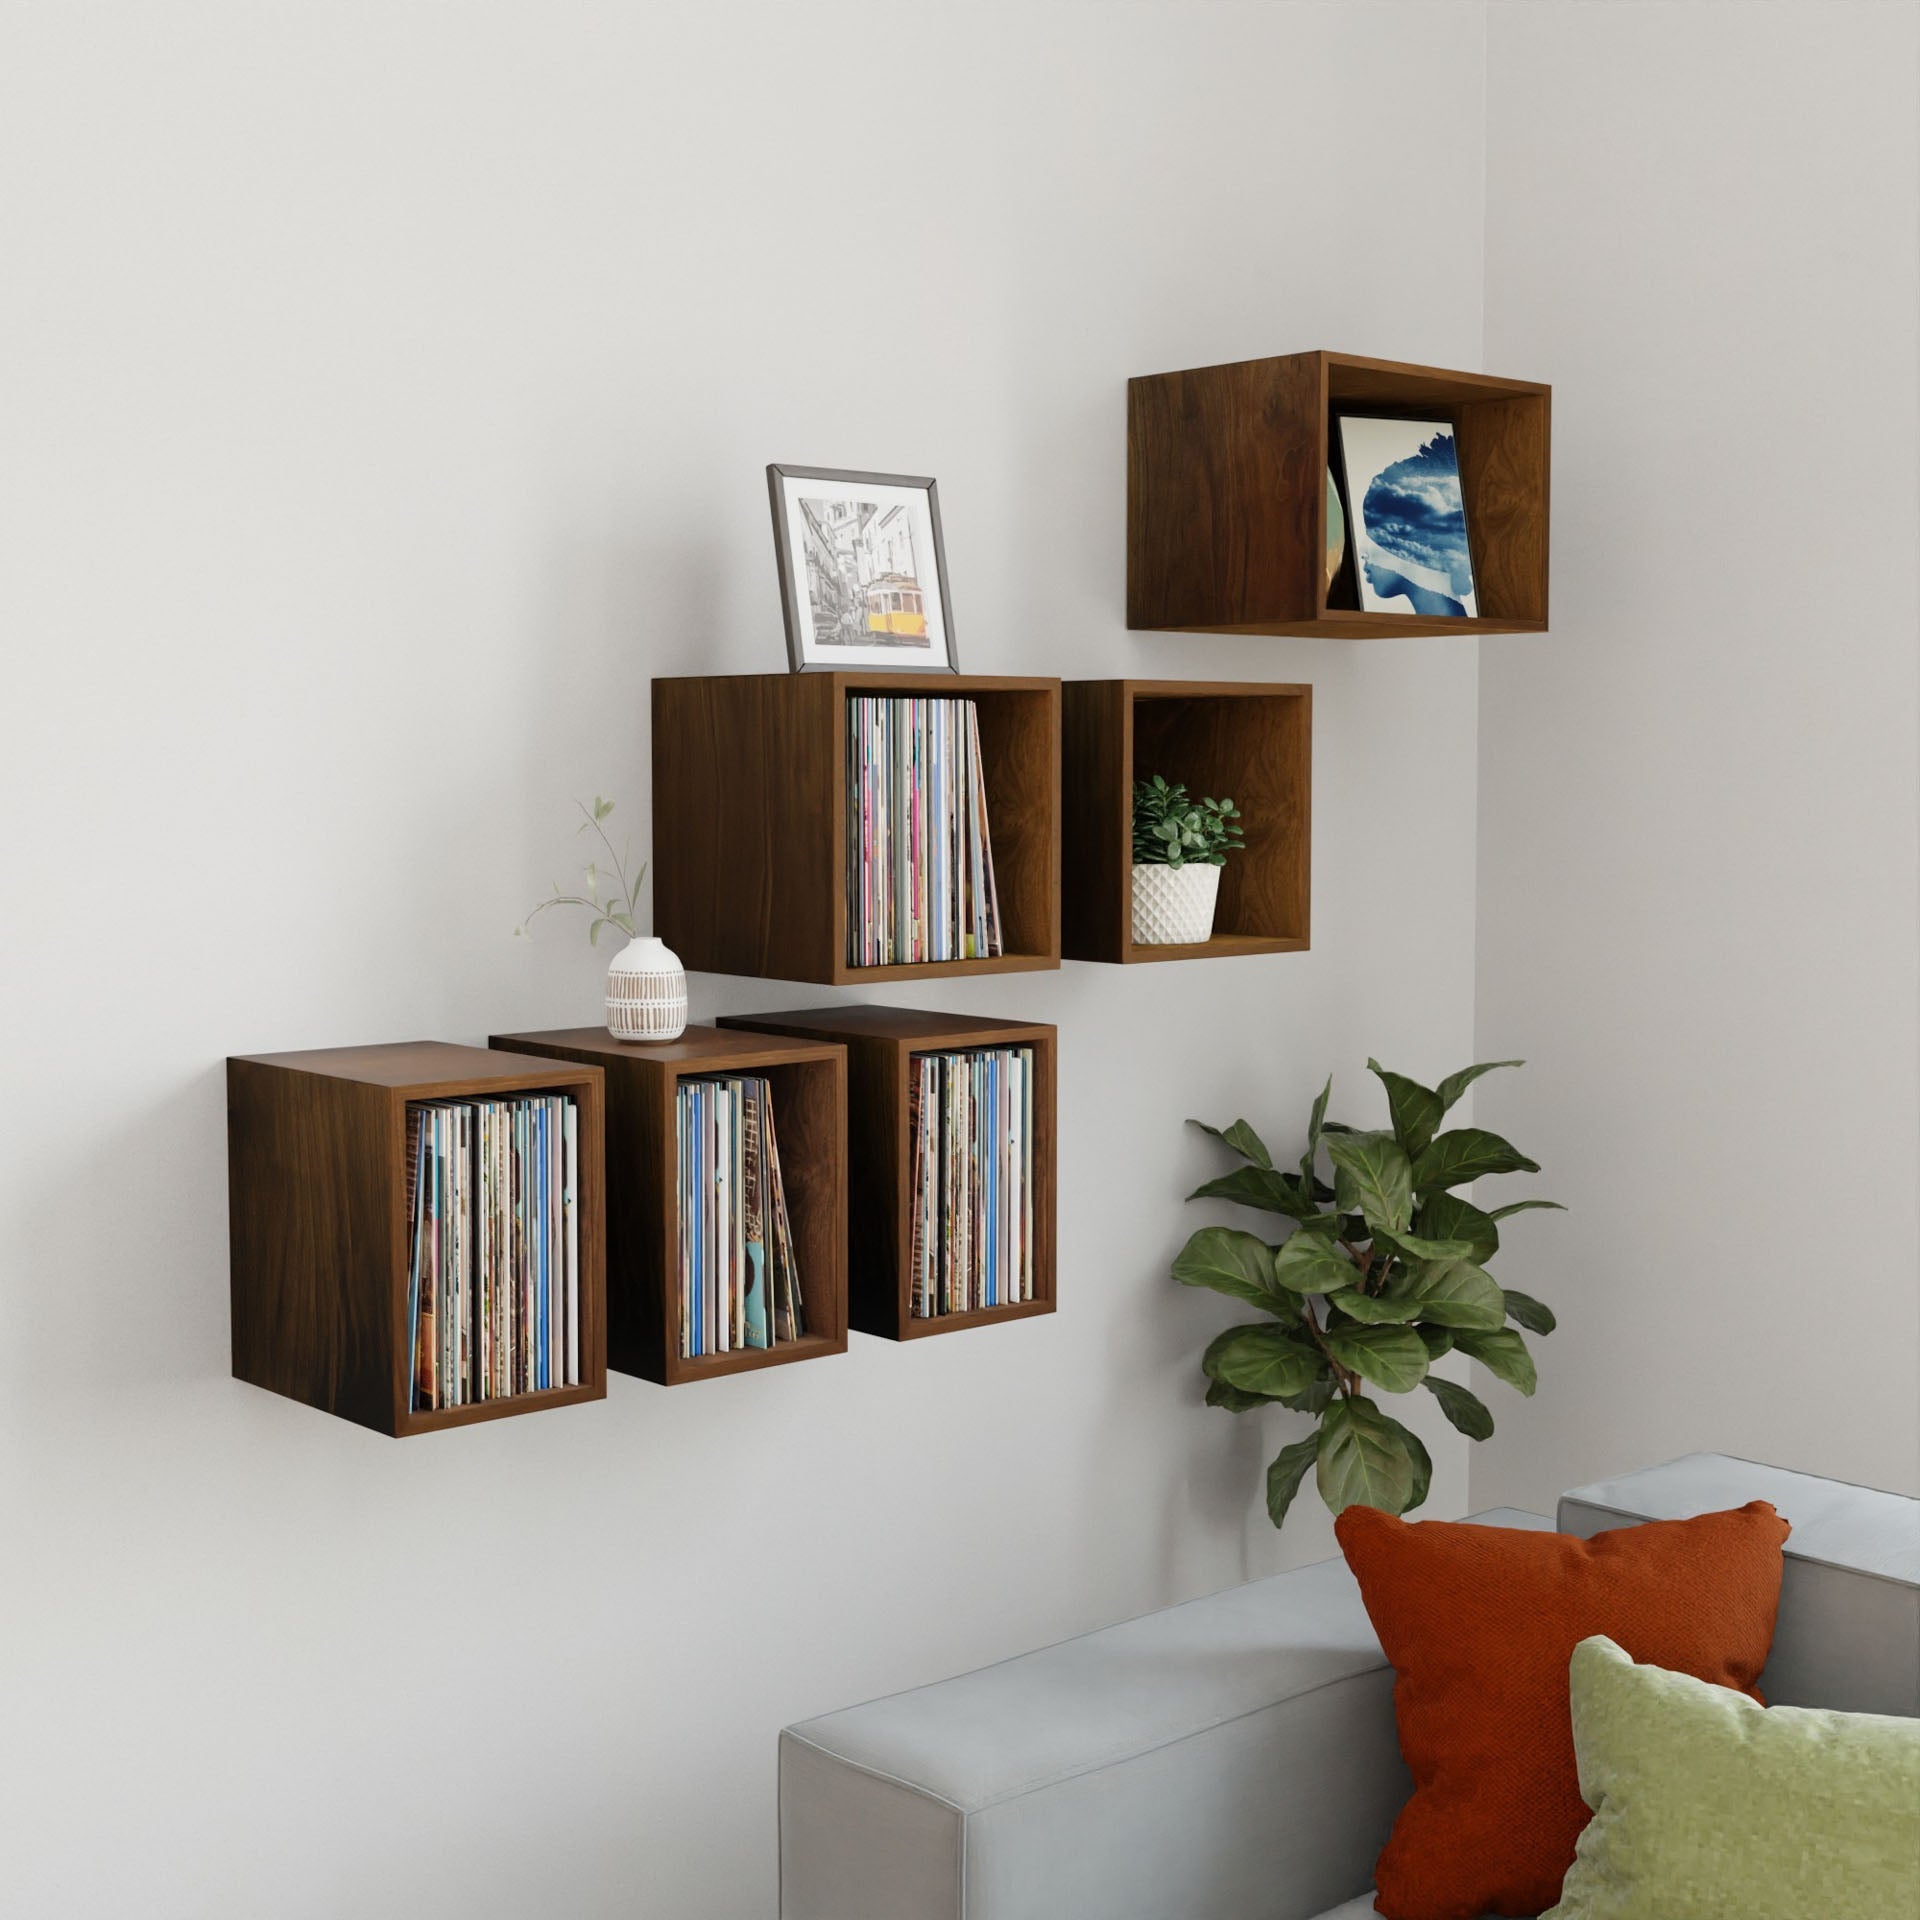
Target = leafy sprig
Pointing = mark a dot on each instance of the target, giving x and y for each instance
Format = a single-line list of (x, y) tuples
[(619, 905), (1171, 830), (1385, 1272)]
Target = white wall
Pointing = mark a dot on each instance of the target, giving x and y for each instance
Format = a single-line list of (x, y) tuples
[(387, 392), (1698, 800)]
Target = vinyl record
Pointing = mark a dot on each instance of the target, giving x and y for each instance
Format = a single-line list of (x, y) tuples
[(1336, 531)]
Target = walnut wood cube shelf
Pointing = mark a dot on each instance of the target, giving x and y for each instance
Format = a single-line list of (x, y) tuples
[(750, 820), (316, 1155), (808, 1079), (1243, 741), (1226, 493), (880, 1043)]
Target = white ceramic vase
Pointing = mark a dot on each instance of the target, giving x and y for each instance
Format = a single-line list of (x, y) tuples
[(646, 991), (1173, 906)]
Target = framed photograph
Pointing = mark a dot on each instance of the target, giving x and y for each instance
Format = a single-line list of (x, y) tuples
[(1406, 519), (863, 572)]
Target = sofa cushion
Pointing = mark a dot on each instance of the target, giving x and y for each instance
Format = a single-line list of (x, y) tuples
[(1228, 1758), (1849, 1629)]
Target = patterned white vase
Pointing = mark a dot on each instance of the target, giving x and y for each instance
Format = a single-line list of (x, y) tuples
[(646, 991), (1173, 906)]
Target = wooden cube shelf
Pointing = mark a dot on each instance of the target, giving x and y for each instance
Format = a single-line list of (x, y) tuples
[(1226, 493), (316, 1194), (808, 1079), (1247, 742), (880, 1043), (750, 820)]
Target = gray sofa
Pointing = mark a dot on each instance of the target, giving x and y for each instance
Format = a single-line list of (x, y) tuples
[(1234, 1758)]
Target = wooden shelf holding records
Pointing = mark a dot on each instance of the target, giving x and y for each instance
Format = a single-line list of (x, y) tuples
[(1227, 491), (750, 835), (319, 1235), (808, 1081), (881, 1043)]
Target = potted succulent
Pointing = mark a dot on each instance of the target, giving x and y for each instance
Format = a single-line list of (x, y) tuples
[(646, 985), (1179, 847), (1384, 1272)]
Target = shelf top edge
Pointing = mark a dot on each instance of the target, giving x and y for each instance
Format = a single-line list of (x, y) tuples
[(868, 1022), (1494, 385), (414, 1066), (1207, 689), (897, 678), (697, 1047)]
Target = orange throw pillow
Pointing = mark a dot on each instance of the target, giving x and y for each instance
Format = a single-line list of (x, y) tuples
[(1479, 1623)]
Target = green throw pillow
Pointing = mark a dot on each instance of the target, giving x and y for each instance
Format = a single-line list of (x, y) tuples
[(1707, 1806)]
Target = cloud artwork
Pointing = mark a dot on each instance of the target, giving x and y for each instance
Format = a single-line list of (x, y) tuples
[(1411, 521)]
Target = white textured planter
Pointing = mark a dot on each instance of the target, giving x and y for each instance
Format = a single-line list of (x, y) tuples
[(1173, 906), (646, 992)]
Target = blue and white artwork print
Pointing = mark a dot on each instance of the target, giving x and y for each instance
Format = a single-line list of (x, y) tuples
[(1408, 519)]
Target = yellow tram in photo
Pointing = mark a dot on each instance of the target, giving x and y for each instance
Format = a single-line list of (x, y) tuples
[(894, 607)]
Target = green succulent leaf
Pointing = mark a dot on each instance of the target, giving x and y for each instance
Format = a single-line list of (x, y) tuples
[(1289, 1468), (1242, 1139), (1372, 1177), (1394, 1358), (1456, 1293), (1235, 1399), (1455, 1084), (1439, 1340), (1231, 1262), (1467, 1411), (1375, 1309), (1504, 1355), (1363, 1459), (1316, 1397), (1311, 1263), (1524, 1206), (1467, 1153), (1258, 1187), (1445, 1216), (1535, 1315), (1261, 1359), (1416, 1110)]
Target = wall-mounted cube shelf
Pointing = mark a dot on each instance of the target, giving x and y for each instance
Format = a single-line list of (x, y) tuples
[(316, 1192), (880, 1044), (1226, 493), (750, 820), (1250, 743), (808, 1079)]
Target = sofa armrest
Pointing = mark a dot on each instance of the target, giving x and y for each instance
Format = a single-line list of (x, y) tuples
[(1232, 1756)]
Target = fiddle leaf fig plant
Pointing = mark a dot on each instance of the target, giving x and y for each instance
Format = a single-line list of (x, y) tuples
[(611, 898), (1383, 1273)]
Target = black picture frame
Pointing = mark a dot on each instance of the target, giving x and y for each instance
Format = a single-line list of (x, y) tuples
[(793, 587)]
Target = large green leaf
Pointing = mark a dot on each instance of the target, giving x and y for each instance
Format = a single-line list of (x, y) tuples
[(1421, 1459), (1391, 1357), (1289, 1468), (1416, 1110), (1311, 1263), (1525, 1206), (1241, 1138), (1375, 1309), (1363, 1459), (1439, 1340), (1445, 1216), (1258, 1187), (1235, 1399), (1465, 1154), (1231, 1262), (1417, 1247), (1456, 1293), (1455, 1084), (1261, 1359), (1372, 1178), (1316, 1120), (1535, 1315), (1466, 1410), (1504, 1355)]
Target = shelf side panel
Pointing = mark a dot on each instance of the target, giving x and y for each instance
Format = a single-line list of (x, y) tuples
[(1096, 825), (1504, 478)]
